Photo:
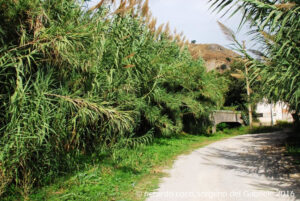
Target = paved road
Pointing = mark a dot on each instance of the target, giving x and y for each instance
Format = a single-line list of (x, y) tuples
[(248, 167)]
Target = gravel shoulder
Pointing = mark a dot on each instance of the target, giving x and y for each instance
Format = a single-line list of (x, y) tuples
[(247, 167)]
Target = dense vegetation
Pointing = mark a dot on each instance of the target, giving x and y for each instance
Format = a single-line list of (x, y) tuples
[(137, 172), (77, 81), (236, 97), (275, 25)]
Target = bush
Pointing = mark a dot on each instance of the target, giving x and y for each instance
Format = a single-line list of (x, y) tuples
[(75, 82), (282, 124)]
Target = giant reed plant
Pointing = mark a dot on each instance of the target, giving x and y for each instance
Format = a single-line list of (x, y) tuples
[(77, 81)]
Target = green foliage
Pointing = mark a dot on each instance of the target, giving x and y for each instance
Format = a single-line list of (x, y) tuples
[(293, 145), (236, 97), (293, 150), (237, 93), (133, 171), (276, 26), (254, 130), (225, 126), (136, 172), (77, 82)]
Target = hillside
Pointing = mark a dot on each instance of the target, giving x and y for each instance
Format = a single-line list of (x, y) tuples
[(214, 55)]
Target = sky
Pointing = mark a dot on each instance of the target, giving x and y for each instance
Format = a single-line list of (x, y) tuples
[(194, 18)]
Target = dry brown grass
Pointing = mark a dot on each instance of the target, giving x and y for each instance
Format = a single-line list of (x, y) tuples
[(285, 6), (97, 5), (5, 179), (145, 8), (212, 53)]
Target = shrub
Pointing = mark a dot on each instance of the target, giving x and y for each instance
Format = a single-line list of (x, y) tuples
[(77, 81)]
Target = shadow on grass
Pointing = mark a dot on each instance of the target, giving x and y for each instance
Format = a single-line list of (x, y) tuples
[(127, 169)]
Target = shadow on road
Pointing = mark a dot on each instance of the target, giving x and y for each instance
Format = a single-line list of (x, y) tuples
[(267, 157)]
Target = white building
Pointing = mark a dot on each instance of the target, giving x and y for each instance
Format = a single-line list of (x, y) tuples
[(268, 113)]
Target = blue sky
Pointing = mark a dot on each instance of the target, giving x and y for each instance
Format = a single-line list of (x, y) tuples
[(194, 18)]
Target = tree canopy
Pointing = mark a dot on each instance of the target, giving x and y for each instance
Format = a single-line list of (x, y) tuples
[(274, 24)]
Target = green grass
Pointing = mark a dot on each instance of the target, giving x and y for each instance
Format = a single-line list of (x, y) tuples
[(293, 150), (128, 173), (255, 129), (293, 146)]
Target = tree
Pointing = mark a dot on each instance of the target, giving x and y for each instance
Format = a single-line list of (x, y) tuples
[(236, 95), (242, 74), (276, 26)]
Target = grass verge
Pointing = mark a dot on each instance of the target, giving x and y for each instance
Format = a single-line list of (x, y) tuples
[(293, 146), (128, 173)]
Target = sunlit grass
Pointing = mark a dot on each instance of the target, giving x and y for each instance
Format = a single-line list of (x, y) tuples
[(130, 172), (126, 176)]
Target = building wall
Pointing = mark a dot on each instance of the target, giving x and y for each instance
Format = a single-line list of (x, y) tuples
[(279, 112)]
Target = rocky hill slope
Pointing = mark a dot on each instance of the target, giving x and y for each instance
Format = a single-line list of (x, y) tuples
[(214, 55)]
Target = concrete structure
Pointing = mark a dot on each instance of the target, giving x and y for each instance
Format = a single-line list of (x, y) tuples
[(226, 116), (268, 113)]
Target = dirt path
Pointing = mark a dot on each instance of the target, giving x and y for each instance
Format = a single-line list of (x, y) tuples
[(248, 167)]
